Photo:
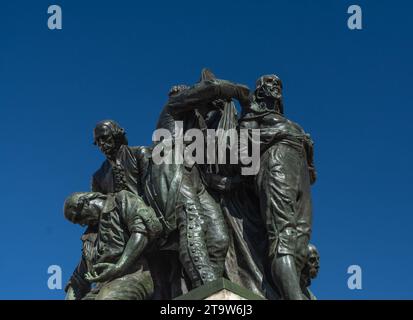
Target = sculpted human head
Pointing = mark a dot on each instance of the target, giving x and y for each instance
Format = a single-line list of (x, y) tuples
[(268, 93), (84, 208), (313, 261), (109, 136)]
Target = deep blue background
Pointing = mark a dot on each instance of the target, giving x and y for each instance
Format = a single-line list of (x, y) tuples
[(350, 89)]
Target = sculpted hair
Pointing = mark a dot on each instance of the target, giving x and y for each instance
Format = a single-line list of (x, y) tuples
[(119, 134)]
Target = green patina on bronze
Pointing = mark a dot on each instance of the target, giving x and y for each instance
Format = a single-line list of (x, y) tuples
[(155, 231)]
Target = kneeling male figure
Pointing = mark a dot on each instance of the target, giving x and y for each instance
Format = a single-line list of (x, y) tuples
[(114, 261)]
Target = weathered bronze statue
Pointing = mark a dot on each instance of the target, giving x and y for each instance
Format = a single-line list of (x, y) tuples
[(156, 230), (114, 262)]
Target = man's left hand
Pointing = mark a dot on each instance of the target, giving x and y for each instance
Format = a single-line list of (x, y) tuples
[(103, 272)]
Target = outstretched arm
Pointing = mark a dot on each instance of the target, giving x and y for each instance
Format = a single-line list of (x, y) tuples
[(135, 246), (206, 92)]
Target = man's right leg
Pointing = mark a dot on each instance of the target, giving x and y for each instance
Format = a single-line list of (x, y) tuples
[(193, 251), (217, 236), (277, 184)]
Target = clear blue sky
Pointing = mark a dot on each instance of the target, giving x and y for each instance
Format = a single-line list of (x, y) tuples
[(117, 59)]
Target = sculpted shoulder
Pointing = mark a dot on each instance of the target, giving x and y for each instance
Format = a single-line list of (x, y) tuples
[(276, 120)]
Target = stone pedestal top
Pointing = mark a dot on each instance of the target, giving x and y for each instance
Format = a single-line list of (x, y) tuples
[(221, 289)]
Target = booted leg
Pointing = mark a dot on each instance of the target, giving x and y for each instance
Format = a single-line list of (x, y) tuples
[(284, 273), (278, 186), (217, 238), (193, 251)]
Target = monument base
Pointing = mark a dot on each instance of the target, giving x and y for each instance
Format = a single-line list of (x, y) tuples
[(221, 289)]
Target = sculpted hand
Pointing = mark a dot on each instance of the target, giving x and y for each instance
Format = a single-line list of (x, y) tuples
[(103, 272)]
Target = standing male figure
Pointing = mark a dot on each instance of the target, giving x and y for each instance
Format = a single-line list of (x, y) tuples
[(282, 184), (202, 228), (130, 168)]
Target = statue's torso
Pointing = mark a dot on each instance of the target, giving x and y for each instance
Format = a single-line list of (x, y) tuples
[(271, 120), (126, 172)]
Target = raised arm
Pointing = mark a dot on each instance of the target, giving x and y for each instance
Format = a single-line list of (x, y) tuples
[(206, 92)]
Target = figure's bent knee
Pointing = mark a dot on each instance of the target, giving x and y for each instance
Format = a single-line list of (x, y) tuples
[(286, 244)]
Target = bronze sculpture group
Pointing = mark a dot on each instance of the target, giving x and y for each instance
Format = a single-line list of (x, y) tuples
[(157, 230)]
